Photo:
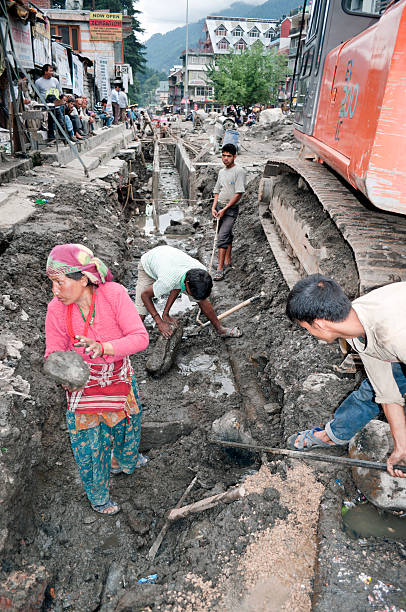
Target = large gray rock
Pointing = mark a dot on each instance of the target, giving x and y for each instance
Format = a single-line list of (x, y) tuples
[(67, 368), (233, 427), (375, 443), (164, 352)]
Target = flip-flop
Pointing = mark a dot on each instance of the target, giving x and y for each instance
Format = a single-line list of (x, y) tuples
[(307, 440), (109, 505), (232, 332), (141, 461), (218, 275)]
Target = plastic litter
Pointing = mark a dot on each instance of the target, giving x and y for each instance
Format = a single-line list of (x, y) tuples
[(149, 209), (149, 579), (41, 201), (48, 195)]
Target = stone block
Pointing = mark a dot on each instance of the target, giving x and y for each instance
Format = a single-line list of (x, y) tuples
[(67, 368), (164, 352), (375, 443)]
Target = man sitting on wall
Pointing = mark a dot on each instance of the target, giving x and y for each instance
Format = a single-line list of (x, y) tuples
[(166, 270), (374, 326)]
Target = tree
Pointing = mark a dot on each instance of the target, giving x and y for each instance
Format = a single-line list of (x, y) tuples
[(247, 77)]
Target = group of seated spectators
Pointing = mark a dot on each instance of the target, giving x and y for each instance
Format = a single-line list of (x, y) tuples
[(73, 112)]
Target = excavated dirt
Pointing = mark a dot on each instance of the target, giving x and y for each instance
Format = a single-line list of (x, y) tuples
[(282, 546)]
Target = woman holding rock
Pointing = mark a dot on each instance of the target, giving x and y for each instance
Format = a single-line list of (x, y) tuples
[(95, 317)]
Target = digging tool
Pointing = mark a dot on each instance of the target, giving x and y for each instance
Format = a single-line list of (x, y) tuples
[(225, 314), (360, 463)]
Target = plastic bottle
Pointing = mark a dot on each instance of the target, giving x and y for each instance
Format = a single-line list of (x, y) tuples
[(42, 201)]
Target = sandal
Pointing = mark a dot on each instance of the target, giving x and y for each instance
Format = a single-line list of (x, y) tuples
[(109, 508), (307, 440), (218, 275), (141, 461), (227, 268), (232, 332)]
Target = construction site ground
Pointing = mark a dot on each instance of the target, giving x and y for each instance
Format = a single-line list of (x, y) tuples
[(282, 546)]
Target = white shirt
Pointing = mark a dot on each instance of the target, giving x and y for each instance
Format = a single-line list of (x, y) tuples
[(382, 314), (122, 99), (114, 96)]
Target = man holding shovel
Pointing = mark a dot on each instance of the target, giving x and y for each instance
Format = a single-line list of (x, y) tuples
[(374, 325), (168, 271)]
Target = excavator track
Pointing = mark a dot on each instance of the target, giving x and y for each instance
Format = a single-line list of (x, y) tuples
[(377, 240)]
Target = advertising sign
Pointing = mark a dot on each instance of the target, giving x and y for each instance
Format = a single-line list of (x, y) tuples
[(105, 26), (77, 76), (103, 79), (62, 65), (41, 41), (21, 35)]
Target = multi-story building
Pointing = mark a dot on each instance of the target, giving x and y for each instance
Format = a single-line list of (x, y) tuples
[(175, 92), (196, 84), (239, 33), (297, 36)]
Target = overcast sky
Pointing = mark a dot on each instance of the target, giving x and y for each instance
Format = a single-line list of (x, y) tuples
[(164, 15)]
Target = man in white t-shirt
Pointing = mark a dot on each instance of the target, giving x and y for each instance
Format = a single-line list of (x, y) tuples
[(168, 271), (123, 103), (115, 103), (375, 327)]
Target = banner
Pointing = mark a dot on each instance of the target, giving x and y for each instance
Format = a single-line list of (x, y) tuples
[(41, 41), (77, 76), (21, 35), (103, 79), (105, 26), (62, 65)]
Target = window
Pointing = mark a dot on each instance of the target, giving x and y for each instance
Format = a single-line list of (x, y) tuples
[(268, 34), (207, 92), (241, 44), (223, 44), (362, 7), (70, 35), (221, 31), (254, 33), (238, 31)]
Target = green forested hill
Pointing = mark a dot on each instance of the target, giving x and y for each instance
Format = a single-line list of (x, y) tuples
[(163, 50)]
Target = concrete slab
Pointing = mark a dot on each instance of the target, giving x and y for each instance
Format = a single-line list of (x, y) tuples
[(12, 168), (15, 212)]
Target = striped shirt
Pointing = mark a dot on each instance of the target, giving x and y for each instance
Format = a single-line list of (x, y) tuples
[(167, 266)]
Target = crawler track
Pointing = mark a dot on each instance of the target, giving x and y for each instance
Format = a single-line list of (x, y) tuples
[(377, 240)]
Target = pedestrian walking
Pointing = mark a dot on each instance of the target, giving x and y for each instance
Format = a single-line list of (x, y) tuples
[(95, 317), (228, 191), (123, 103)]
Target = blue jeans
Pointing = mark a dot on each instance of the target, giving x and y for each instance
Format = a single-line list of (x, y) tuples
[(359, 408), (69, 126)]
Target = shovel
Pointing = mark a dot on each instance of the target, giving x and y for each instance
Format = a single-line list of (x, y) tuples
[(360, 463)]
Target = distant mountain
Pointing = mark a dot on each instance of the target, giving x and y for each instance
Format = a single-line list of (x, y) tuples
[(163, 50)]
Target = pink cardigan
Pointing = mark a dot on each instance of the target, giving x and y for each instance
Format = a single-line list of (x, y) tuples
[(116, 321)]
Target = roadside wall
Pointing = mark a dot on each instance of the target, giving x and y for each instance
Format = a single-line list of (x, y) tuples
[(186, 171)]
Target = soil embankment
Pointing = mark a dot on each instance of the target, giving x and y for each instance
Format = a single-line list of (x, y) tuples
[(279, 548)]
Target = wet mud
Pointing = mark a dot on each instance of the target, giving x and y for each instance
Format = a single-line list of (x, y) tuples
[(281, 547)]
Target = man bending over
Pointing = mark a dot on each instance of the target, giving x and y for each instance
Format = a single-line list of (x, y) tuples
[(375, 326), (166, 270)]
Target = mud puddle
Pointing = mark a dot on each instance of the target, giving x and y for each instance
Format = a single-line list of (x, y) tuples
[(365, 521), (219, 375)]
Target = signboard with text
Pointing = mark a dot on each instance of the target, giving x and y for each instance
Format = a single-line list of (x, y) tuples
[(105, 26), (103, 79), (21, 35), (41, 42), (62, 65), (77, 76)]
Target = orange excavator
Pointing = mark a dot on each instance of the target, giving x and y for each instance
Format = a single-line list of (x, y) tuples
[(350, 117)]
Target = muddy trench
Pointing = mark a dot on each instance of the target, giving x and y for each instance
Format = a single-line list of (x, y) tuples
[(281, 547)]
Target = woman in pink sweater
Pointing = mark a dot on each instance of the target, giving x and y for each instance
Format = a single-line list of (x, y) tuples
[(95, 317)]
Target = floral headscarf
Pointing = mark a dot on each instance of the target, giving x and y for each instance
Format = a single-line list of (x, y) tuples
[(69, 258)]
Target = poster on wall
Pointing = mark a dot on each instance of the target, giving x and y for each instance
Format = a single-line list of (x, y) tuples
[(125, 73), (62, 65), (77, 76), (41, 42), (21, 35), (103, 79), (105, 26)]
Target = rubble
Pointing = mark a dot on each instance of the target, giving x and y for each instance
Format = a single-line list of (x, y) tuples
[(67, 368)]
